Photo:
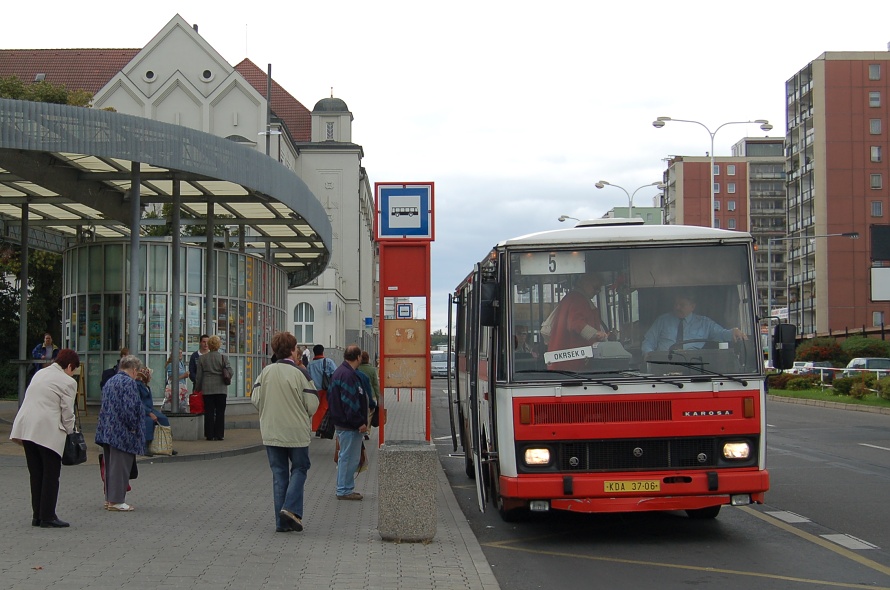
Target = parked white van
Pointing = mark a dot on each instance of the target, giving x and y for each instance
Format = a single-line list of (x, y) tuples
[(440, 365)]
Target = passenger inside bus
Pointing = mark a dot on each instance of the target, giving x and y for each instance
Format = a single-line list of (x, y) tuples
[(576, 321)]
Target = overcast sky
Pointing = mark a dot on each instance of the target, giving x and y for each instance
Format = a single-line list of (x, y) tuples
[(514, 109)]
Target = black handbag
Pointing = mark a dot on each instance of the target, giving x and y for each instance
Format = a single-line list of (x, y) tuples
[(75, 451), (226, 372), (326, 426)]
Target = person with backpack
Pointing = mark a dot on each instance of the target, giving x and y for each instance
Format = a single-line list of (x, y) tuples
[(321, 369)]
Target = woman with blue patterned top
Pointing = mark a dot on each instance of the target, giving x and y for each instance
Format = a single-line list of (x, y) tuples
[(119, 432)]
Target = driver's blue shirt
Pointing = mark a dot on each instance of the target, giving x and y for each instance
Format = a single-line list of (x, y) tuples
[(663, 332)]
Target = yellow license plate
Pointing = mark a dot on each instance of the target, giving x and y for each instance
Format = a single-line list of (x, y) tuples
[(631, 486)]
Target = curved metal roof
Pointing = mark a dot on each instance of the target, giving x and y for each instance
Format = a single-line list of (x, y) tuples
[(71, 165)]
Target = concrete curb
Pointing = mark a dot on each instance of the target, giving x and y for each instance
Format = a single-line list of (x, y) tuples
[(826, 404)]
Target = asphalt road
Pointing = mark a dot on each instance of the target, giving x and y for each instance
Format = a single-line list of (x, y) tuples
[(824, 524)]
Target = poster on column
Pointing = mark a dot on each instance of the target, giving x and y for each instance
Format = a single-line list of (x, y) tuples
[(407, 350)]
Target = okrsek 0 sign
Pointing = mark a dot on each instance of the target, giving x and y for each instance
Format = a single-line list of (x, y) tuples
[(570, 354)]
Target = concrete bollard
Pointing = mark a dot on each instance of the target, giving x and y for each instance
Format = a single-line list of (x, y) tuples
[(406, 490), (186, 426)]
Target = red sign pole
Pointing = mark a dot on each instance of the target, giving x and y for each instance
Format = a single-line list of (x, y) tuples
[(404, 230)]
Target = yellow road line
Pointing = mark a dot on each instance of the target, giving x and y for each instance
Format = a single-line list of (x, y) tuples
[(510, 545), (842, 551), (710, 570)]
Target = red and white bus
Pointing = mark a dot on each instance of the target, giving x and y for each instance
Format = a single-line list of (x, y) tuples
[(620, 423)]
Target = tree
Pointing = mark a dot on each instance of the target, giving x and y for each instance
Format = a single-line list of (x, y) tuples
[(438, 337), (166, 212), (43, 91)]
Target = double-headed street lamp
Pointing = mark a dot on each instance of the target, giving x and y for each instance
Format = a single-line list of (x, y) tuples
[(630, 196), (853, 235), (764, 125)]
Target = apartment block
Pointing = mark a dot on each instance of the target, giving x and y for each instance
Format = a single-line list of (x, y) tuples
[(837, 130)]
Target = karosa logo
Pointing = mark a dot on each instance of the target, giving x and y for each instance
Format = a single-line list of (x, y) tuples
[(704, 413)]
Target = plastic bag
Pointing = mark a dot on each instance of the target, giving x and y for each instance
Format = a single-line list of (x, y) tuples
[(183, 398), (162, 444)]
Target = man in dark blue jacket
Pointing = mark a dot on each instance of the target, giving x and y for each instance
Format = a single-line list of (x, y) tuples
[(348, 404)]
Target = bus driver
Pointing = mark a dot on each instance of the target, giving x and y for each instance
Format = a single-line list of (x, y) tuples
[(683, 325)]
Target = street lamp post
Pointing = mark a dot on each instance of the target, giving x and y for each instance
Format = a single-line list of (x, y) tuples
[(769, 273), (630, 196), (565, 217), (764, 125)]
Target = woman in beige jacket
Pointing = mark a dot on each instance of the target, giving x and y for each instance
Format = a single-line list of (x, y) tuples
[(41, 426)]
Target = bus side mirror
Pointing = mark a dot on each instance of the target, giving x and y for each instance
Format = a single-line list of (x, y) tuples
[(488, 312), (784, 343)]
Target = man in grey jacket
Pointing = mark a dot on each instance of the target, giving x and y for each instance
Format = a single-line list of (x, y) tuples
[(286, 401)]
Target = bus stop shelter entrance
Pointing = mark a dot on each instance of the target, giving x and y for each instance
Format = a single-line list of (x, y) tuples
[(70, 174)]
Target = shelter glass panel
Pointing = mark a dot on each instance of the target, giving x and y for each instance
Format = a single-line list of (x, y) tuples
[(159, 268), (114, 264), (195, 270)]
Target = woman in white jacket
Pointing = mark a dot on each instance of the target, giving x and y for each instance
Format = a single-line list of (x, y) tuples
[(41, 426)]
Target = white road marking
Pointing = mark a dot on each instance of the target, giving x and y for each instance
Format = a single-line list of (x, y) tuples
[(788, 516), (849, 542), (874, 446)]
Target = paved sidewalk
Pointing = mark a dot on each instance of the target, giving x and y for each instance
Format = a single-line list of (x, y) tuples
[(204, 519)]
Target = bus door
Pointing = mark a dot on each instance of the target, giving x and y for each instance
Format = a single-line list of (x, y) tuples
[(451, 370), (476, 378)]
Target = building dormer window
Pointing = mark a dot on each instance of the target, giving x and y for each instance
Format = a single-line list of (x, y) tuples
[(329, 132)]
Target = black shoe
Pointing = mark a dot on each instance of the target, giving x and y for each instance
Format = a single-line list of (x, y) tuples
[(35, 522), (53, 524), (173, 452), (288, 517), (281, 529)]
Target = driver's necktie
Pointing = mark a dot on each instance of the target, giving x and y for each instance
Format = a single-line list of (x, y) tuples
[(680, 336)]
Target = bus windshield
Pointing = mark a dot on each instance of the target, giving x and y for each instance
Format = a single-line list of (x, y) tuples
[(684, 310)]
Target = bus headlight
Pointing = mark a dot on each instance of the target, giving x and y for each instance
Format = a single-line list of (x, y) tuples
[(537, 457), (736, 450)]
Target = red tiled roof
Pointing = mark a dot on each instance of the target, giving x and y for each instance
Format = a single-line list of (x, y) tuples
[(91, 69), (296, 117), (75, 69)]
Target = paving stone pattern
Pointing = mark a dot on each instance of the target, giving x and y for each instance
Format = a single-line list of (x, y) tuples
[(209, 524)]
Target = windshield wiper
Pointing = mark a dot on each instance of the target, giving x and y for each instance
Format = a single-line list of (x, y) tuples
[(698, 367), (580, 376)]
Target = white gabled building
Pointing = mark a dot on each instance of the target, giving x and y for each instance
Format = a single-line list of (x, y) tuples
[(179, 78)]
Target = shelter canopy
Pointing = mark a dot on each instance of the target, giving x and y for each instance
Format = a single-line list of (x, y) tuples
[(72, 166)]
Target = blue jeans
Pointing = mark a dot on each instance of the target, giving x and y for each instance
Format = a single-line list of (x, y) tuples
[(287, 490), (347, 463)]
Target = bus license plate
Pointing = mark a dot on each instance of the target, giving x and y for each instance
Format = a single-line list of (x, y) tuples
[(641, 485)]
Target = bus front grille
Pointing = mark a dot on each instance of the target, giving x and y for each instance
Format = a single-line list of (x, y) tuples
[(601, 412)]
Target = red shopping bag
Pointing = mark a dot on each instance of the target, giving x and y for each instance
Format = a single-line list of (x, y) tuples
[(196, 403)]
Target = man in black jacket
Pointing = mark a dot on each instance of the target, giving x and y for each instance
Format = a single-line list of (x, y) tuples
[(348, 404), (193, 360), (112, 371)]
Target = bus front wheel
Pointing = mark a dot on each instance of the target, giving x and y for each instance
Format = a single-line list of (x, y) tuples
[(509, 512)]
